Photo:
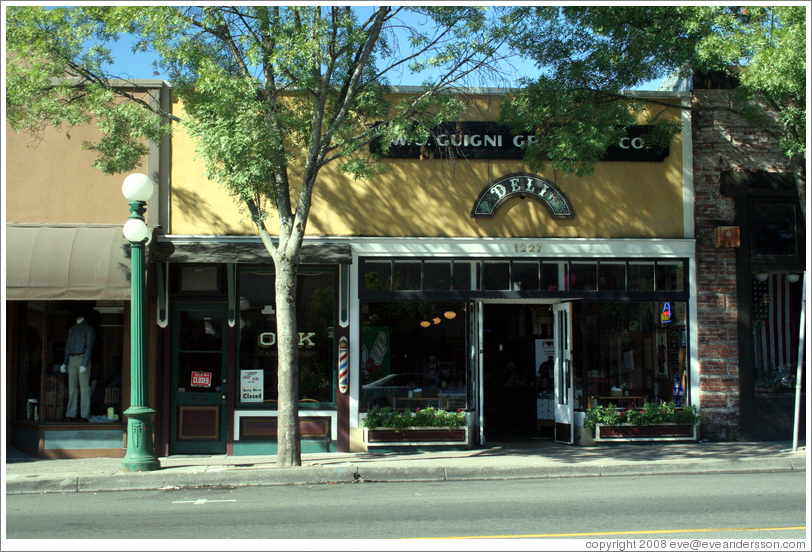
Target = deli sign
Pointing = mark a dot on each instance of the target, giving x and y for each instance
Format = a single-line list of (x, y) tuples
[(201, 379), (488, 140)]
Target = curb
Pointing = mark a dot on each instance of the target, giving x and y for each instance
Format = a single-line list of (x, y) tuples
[(206, 476)]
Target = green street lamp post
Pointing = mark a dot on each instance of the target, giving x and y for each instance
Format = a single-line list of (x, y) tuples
[(140, 455)]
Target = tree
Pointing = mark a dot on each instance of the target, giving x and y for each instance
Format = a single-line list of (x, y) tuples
[(271, 95), (588, 56)]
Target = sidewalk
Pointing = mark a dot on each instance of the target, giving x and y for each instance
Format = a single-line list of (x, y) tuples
[(539, 459)]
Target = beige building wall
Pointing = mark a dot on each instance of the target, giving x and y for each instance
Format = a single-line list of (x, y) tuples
[(434, 198), (54, 181)]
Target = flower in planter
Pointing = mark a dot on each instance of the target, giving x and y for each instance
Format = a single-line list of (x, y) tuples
[(383, 416), (649, 414)]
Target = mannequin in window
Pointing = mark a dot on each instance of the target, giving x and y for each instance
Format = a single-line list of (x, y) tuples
[(77, 365)]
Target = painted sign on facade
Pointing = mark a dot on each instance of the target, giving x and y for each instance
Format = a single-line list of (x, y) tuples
[(524, 186), (489, 140)]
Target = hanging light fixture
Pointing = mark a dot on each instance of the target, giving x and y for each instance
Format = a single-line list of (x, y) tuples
[(793, 277), (450, 314), (762, 276), (425, 323), (436, 319)]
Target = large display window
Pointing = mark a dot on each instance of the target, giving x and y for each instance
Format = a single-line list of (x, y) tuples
[(636, 353), (258, 354), (413, 355), (67, 360)]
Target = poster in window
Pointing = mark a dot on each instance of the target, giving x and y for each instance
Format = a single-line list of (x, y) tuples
[(375, 351), (251, 385)]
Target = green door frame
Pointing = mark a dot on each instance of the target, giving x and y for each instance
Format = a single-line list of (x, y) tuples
[(198, 420)]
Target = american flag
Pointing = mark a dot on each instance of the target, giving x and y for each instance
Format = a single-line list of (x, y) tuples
[(778, 336)]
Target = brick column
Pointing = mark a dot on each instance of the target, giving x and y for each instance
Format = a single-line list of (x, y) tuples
[(722, 141)]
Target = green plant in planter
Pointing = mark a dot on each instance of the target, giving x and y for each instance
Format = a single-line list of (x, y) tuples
[(649, 414), (383, 416)]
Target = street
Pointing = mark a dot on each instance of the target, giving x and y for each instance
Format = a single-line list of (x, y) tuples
[(740, 506)]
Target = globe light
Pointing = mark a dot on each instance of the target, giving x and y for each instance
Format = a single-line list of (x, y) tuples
[(138, 187), (135, 230)]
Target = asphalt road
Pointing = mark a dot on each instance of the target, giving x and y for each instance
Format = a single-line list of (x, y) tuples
[(726, 506)]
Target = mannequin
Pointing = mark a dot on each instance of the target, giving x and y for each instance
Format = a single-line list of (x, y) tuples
[(77, 365)]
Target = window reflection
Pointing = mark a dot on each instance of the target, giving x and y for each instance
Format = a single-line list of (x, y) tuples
[(637, 353), (257, 383), (406, 364)]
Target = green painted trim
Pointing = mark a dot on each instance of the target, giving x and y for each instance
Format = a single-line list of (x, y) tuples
[(262, 448), (415, 448), (83, 439)]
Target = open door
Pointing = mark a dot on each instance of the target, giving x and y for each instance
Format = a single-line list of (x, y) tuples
[(563, 375), (475, 367)]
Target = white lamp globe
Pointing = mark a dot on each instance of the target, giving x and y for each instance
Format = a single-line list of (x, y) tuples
[(136, 230), (138, 187)]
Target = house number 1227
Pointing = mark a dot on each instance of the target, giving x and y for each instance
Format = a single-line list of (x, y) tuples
[(525, 248)]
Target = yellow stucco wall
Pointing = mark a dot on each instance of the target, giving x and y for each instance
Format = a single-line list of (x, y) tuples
[(434, 198)]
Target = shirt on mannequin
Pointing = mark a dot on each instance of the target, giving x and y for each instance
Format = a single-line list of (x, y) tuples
[(80, 342)]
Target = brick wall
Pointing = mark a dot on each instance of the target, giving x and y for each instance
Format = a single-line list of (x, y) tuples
[(722, 141)]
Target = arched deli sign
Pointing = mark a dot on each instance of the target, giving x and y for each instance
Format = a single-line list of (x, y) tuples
[(524, 186), (487, 140)]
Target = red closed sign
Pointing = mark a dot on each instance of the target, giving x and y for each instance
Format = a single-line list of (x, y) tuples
[(201, 379)]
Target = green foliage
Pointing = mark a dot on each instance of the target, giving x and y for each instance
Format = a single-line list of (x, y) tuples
[(588, 56), (384, 416), (649, 414)]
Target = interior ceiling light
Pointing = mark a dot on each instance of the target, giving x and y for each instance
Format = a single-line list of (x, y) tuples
[(425, 323), (450, 314), (762, 276), (436, 319)]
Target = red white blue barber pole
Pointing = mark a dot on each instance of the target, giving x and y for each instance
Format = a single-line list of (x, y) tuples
[(343, 364)]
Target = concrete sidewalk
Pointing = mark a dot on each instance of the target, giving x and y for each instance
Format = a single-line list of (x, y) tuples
[(538, 459)]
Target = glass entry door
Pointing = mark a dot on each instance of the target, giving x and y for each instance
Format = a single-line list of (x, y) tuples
[(199, 380), (563, 374)]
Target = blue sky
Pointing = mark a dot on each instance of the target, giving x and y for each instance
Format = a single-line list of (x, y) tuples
[(139, 66)]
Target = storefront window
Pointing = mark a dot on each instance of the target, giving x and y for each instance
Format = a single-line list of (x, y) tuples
[(778, 229), (437, 275), (776, 319), (407, 275), (641, 276), (669, 276), (44, 327), (637, 353), (583, 276), (413, 355), (612, 276), (496, 275), (525, 276), (257, 379)]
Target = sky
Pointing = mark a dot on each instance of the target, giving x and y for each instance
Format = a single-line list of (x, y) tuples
[(139, 66)]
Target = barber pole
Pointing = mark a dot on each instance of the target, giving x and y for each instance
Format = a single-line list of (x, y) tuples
[(343, 364)]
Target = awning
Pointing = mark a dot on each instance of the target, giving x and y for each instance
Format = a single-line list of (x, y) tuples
[(243, 249), (66, 262)]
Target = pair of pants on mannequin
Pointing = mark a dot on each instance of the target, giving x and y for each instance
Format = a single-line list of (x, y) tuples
[(78, 382)]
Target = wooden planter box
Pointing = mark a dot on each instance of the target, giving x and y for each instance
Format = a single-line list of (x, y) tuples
[(415, 436), (664, 432)]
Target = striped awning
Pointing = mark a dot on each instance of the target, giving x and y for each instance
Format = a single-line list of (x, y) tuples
[(78, 262)]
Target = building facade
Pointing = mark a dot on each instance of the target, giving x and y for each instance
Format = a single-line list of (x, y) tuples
[(460, 281)]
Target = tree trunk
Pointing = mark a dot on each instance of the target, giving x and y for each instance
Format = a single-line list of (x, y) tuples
[(289, 447)]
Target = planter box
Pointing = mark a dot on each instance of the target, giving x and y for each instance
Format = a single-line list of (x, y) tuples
[(415, 436), (664, 432)]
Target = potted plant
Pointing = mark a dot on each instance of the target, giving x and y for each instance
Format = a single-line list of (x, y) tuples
[(652, 422), (423, 427)]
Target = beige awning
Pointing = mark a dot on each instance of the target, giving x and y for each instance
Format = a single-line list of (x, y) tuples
[(66, 262)]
